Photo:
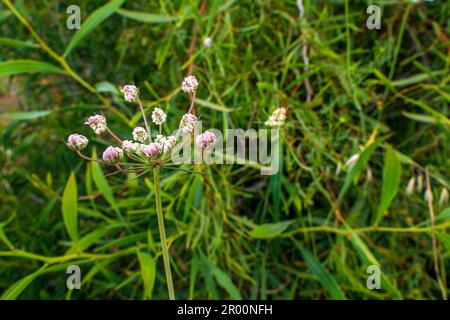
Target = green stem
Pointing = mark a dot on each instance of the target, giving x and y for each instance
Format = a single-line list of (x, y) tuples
[(162, 233)]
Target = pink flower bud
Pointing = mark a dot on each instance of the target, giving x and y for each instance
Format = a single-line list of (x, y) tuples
[(189, 84), (77, 142), (130, 93), (187, 122), (97, 123), (152, 150), (167, 143), (130, 146), (206, 139), (112, 155)]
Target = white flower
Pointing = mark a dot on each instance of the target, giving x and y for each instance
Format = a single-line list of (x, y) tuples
[(420, 183), (140, 134), (130, 93), (189, 84), (443, 199), (187, 122), (130, 146), (277, 118), (352, 161), (207, 42), (77, 142), (410, 187), (428, 195), (97, 123), (158, 116)]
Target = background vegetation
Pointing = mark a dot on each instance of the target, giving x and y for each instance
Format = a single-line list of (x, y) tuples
[(308, 232)]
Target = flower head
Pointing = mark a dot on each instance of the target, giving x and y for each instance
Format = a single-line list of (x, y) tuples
[(167, 143), (206, 139), (189, 84), (112, 155), (130, 146), (443, 199), (130, 93), (97, 123), (158, 116), (277, 118), (152, 150), (140, 134), (77, 142), (187, 122), (207, 42), (352, 161)]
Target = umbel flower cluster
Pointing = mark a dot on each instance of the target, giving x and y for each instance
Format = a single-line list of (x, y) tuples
[(143, 148)]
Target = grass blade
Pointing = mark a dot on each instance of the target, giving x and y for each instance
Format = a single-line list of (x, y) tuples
[(97, 17), (70, 207), (391, 182)]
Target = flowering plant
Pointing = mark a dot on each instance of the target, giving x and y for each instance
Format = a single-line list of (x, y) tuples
[(146, 153)]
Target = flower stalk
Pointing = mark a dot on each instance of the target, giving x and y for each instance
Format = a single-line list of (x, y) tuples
[(162, 233)]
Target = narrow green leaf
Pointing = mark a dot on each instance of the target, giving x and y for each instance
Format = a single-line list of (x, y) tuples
[(102, 185), (97, 17), (14, 67), (225, 282), (17, 288), (70, 207), (16, 43), (5, 239), (368, 259), (212, 106), (359, 165), (445, 238), (327, 280), (89, 239), (391, 182), (106, 86), (25, 115), (269, 230), (146, 17), (148, 273)]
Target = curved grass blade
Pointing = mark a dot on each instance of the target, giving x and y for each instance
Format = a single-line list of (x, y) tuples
[(146, 17), (327, 280), (70, 207), (391, 182), (97, 17), (13, 67)]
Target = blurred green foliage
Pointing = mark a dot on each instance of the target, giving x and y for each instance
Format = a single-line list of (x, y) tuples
[(233, 233)]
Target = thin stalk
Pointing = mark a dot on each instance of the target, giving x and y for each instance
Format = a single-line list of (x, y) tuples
[(141, 108), (162, 233)]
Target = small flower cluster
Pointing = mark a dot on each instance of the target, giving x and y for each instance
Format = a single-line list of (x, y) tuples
[(77, 142), (206, 139), (97, 123), (189, 84), (130, 93), (142, 148), (277, 118)]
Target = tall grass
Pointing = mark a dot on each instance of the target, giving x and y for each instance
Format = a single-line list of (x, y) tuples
[(308, 232)]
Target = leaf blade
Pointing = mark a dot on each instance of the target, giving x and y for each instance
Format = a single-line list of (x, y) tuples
[(391, 182), (70, 207), (97, 17), (21, 66)]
